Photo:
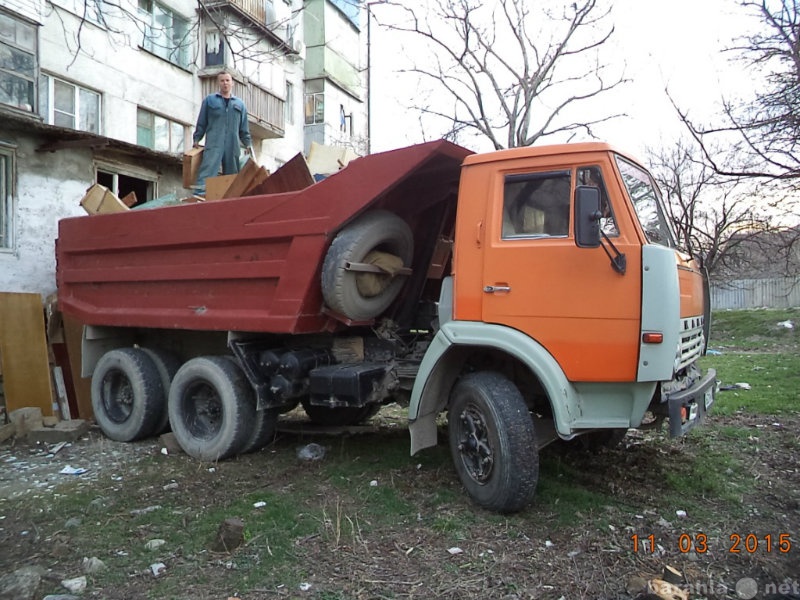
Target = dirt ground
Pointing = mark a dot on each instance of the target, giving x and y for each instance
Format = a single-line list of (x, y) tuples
[(531, 555)]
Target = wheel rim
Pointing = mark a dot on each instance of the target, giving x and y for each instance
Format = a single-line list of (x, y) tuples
[(473, 444), (117, 396), (202, 410)]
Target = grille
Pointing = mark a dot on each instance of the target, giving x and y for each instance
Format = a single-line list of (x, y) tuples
[(691, 343)]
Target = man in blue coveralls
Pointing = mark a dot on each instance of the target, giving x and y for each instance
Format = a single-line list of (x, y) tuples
[(223, 121)]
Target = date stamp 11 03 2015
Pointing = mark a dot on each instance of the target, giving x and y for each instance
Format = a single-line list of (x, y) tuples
[(736, 543)]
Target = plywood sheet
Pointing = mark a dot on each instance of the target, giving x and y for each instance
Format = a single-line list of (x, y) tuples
[(23, 351), (82, 386), (292, 176), (191, 165), (244, 179), (217, 186)]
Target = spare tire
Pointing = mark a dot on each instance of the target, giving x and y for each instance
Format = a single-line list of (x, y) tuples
[(376, 237)]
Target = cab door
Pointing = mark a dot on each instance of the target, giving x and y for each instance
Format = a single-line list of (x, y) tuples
[(569, 299)]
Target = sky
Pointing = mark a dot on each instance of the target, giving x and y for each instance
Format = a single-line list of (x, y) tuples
[(677, 44)]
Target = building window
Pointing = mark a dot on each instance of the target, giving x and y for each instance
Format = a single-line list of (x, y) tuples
[(159, 133), (166, 34), (6, 197), (123, 183), (17, 63), (67, 105), (214, 48), (314, 103), (289, 105)]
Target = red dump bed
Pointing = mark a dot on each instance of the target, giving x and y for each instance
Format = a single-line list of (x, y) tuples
[(246, 264)]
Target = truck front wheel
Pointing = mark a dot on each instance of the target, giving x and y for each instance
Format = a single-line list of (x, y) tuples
[(127, 394), (493, 443), (211, 408)]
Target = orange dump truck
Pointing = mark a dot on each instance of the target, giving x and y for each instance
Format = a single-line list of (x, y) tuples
[(531, 294)]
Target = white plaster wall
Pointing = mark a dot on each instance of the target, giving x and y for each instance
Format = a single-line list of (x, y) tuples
[(31, 9), (340, 35), (111, 63), (49, 188)]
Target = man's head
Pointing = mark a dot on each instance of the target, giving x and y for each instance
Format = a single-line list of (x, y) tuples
[(225, 82)]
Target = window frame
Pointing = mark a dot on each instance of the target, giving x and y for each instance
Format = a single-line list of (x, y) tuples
[(113, 170), (8, 157), (16, 46), (48, 109), (172, 149), (509, 222), (178, 54), (289, 104), (317, 114)]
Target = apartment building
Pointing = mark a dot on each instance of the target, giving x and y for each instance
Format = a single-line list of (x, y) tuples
[(335, 107), (108, 91)]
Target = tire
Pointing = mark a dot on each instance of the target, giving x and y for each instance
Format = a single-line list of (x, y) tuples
[(602, 438), (264, 428), (167, 365), (211, 408), (493, 443), (127, 394), (339, 417), (343, 290)]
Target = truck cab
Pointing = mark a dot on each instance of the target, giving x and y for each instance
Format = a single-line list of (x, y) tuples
[(567, 283)]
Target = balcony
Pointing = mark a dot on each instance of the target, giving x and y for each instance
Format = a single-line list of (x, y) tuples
[(259, 13), (265, 109)]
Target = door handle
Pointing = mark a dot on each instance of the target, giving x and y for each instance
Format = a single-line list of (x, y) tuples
[(491, 289)]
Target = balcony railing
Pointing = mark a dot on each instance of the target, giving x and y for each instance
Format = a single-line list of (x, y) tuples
[(266, 110), (261, 13)]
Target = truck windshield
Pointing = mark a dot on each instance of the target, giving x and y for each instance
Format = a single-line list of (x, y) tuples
[(647, 203)]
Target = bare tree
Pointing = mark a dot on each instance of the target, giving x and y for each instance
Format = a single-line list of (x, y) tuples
[(761, 134), (126, 24), (512, 70), (729, 225)]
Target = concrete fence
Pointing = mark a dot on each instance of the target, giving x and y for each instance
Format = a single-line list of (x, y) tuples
[(779, 292)]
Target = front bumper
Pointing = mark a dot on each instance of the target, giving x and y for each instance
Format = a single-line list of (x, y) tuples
[(687, 407)]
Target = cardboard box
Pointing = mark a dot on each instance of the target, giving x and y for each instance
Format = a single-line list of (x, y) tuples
[(129, 199), (100, 200), (191, 165), (217, 186)]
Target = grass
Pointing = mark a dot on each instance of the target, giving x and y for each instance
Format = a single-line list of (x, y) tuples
[(368, 492), (755, 347), (757, 329)]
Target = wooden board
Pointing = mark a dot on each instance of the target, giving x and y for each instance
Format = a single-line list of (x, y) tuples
[(82, 386), (191, 165), (217, 186), (23, 351), (244, 180), (292, 176)]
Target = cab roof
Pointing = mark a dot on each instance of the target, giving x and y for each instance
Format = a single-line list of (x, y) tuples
[(545, 150)]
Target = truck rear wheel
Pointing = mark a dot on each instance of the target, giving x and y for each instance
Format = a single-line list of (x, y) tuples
[(127, 394), (493, 443), (211, 408), (167, 365), (339, 417), (363, 296), (264, 429)]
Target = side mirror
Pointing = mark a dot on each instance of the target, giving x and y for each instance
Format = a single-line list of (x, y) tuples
[(587, 216)]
